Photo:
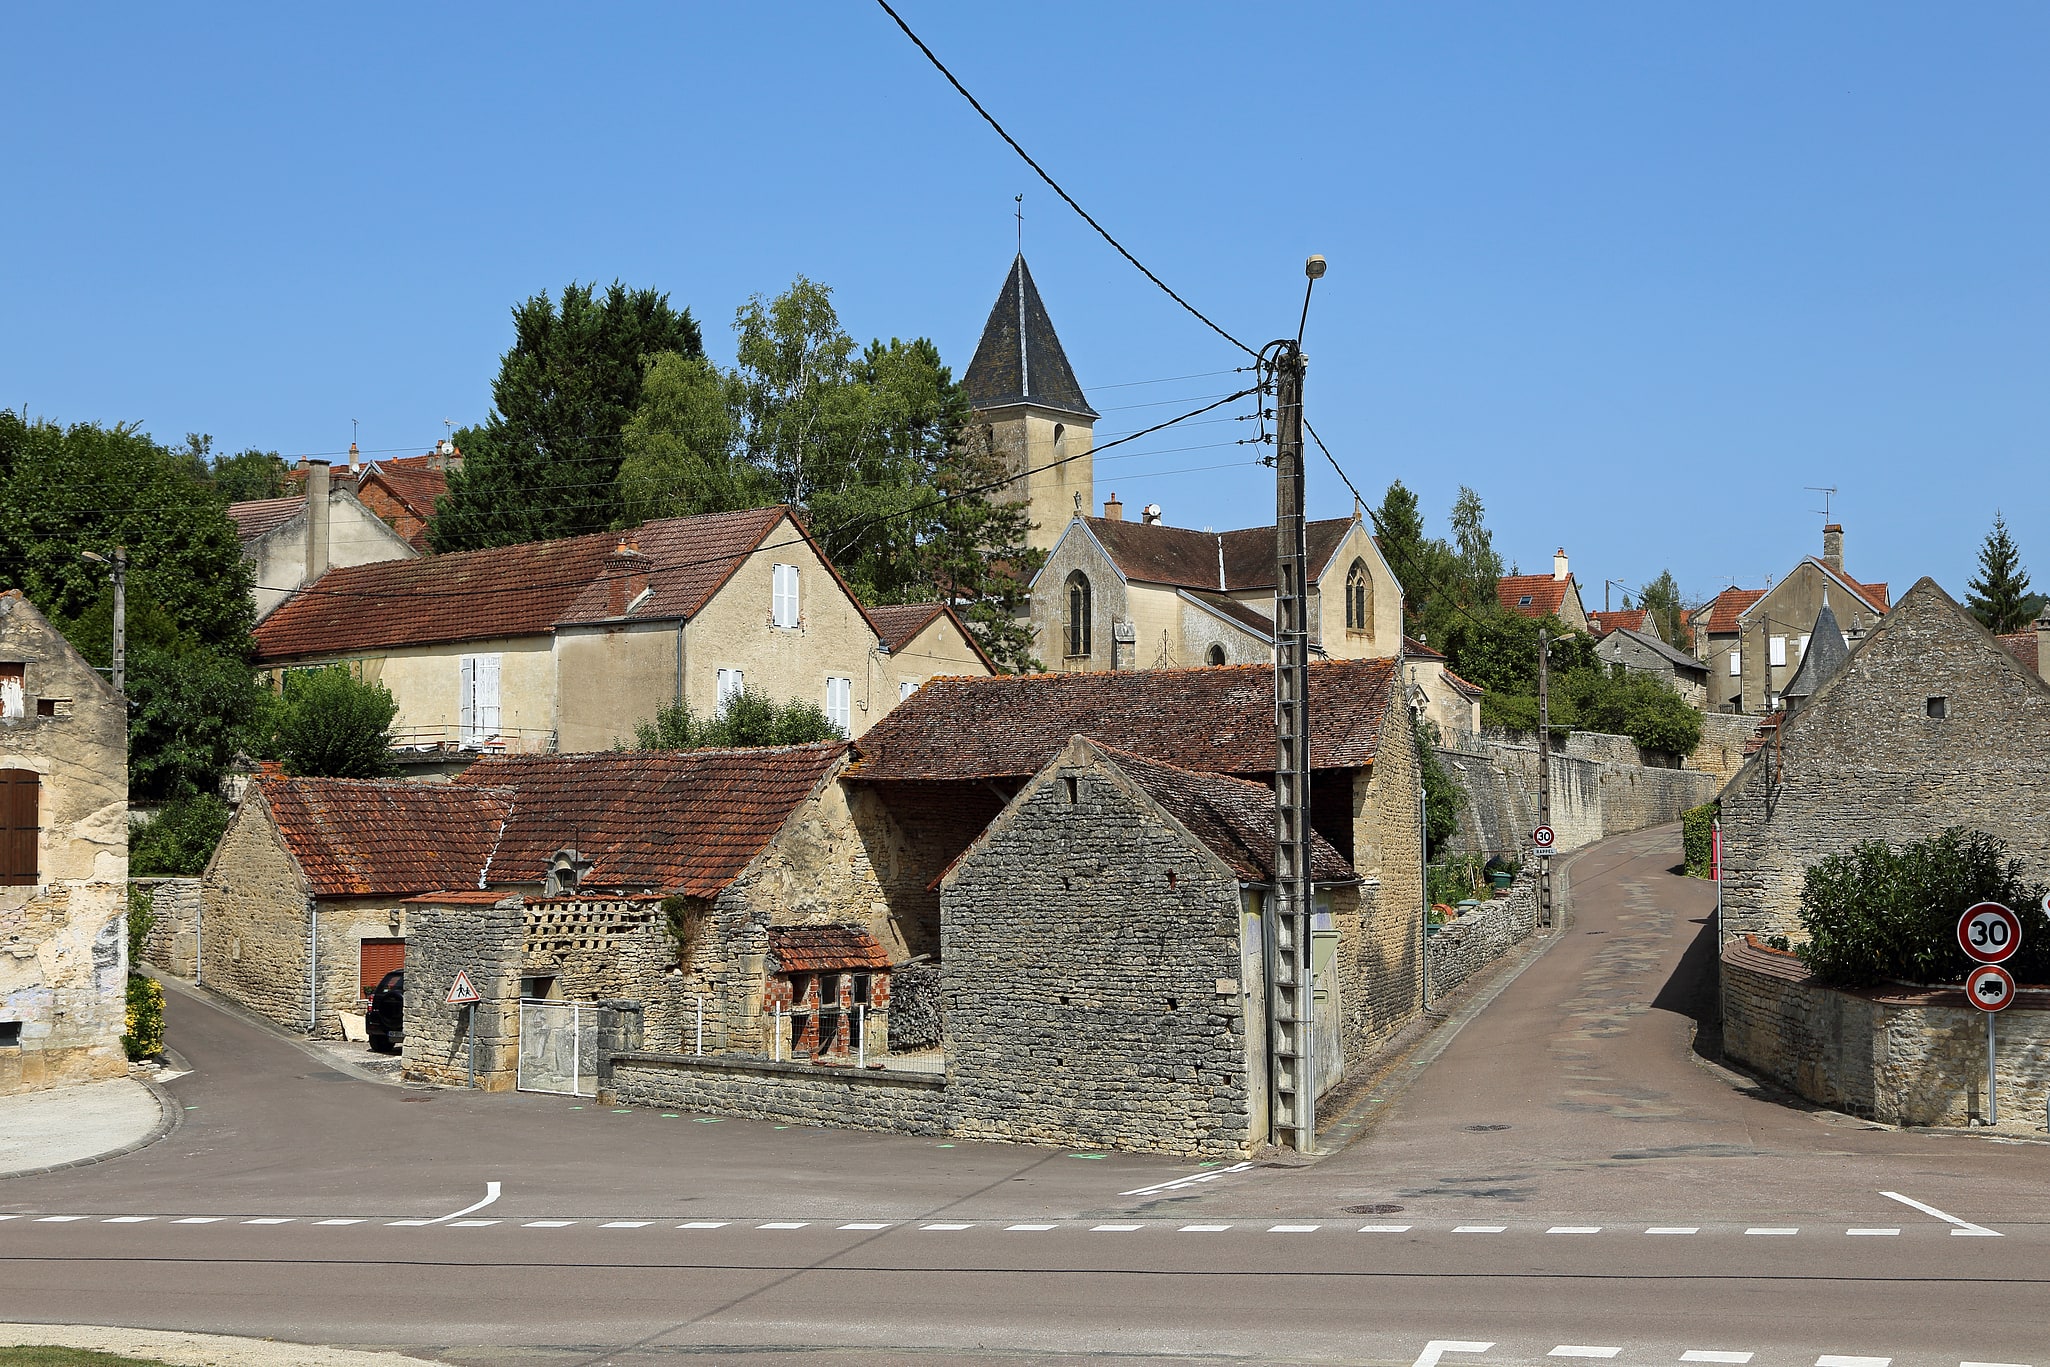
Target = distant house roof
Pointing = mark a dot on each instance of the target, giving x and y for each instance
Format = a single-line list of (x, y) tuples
[(1019, 359), (1417, 650), (1728, 607), (415, 482), (524, 590), (816, 949), (1531, 595), (2022, 645), (1677, 658), (1234, 819), (371, 837), (898, 624), (1217, 719), (1234, 561), (1616, 619), (664, 820), (1471, 689), (259, 515)]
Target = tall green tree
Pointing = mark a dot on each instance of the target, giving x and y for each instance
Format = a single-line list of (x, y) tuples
[(330, 724), (545, 463), (1661, 600), (1399, 523), (1999, 596)]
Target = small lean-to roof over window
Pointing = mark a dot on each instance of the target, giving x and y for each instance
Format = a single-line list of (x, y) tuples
[(820, 949)]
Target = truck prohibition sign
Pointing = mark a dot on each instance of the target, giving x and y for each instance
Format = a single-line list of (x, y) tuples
[(1989, 932), (1989, 987)]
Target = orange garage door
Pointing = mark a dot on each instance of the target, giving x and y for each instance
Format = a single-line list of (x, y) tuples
[(379, 958)]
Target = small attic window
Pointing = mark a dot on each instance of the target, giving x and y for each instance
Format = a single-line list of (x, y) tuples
[(1524, 601), (1937, 708)]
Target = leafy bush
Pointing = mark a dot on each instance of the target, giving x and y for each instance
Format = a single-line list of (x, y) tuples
[(180, 840), (330, 724), (749, 719), (1442, 797), (1454, 880), (145, 1036), (1697, 827), (1877, 912), (141, 916)]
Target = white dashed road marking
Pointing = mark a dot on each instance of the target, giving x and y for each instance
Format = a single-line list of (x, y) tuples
[(1574, 1229), (1293, 1229), (773, 1224), (472, 1224), (1204, 1229), (1712, 1355), (1028, 1226), (1193, 1179), (269, 1220), (1674, 1229), (548, 1224), (58, 1219), (703, 1224), (1114, 1229), (199, 1220), (1436, 1348), (1837, 1360), (867, 1224), (124, 1219), (1384, 1229), (626, 1224), (338, 1222), (1870, 1233), (1772, 1231), (1479, 1229), (946, 1226), (1581, 1350)]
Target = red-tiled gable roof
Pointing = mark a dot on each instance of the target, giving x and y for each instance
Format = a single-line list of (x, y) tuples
[(358, 837), (1873, 594), (2022, 645), (1545, 593), (1417, 650), (1155, 554), (259, 515), (817, 949), (523, 590), (675, 821), (1616, 619), (1727, 607), (897, 624), (419, 488), (1473, 688), (1233, 818), (1216, 719)]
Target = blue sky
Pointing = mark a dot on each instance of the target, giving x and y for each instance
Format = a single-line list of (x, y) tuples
[(1637, 273)]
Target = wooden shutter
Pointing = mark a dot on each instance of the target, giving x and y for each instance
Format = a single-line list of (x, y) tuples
[(20, 828), (379, 958)]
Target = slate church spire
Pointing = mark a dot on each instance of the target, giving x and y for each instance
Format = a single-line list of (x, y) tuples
[(1030, 409)]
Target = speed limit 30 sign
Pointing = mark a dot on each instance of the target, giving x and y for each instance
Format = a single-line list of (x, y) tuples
[(1989, 932)]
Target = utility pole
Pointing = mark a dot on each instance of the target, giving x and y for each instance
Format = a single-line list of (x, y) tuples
[(1544, 739), (119, 565)]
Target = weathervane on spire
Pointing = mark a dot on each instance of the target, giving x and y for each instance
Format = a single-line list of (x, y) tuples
[(1020, 200)]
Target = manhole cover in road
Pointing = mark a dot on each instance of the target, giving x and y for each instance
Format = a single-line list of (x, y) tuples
[(1380, 1208), (1486, 1129)]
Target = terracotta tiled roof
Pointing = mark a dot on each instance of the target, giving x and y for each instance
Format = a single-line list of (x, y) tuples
[(259, 515), (368, 837), (897, 624), (675, 821), (2022, 645), (816, 949), (1473, 688), (1417, 650), (1728, 606), (1545, 593), (415, 483), (1234, 819), (1216, 719), (1230, 561), (462, 897), (1616, 619), (523, 590)]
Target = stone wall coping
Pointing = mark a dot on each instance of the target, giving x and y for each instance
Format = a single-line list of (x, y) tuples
[(1755, 956), (740, 1064)]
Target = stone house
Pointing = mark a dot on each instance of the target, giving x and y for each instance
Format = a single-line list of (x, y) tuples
[(1927, 723), (1752, 639), (1537, 595), (63, 859), (1639, 652), (294, 540), (954, 755), (1118, 595), (1104, 963), (567, 645), (2027, 646), (1601, 623), (926, 641), (1439, 696)]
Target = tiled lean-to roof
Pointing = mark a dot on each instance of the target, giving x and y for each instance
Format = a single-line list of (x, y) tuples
[(1214, 719), (1233, 818), (819, 949), (370, 837)]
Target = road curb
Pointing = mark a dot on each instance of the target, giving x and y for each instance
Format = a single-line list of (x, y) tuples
[(200, 1350)]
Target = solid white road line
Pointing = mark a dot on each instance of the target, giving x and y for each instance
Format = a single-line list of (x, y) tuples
[(626, 1224), (1438, 1347), (1028, 1226), (1772, 1231), (1581, 1350), (1712, 1355), (548, 1224), (1963, 1226), (1479, 1229), (703, 1224), (1674, 1229), (1384, 1229), (1870, 1233), (1574, 1229)]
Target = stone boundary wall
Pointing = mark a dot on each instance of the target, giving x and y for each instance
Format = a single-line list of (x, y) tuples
[(1723, 736), (173, 940), (1596, 791), (1464, 947), (1899, 1056), (799, 1093)]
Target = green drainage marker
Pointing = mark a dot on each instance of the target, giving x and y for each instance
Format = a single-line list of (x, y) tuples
[(782, 1127), (671, 1115), (192, 1108), (708, 1119), (1096, 1156), (576, 1108), (943, 1146), (625, 1110)]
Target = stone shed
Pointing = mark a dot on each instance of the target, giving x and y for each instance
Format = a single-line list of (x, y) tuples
[(1928, 723), (63, 859)]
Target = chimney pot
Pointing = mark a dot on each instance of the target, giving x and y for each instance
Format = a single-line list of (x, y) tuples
[(1113, 511), (626, 576), (355, 458)]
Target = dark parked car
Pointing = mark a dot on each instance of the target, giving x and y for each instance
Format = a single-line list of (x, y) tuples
[(386, 1019)]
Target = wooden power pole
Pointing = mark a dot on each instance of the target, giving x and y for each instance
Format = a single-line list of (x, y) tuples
[(1291, 1001)]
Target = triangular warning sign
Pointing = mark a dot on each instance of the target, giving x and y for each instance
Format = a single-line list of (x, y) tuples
[(460, 993)]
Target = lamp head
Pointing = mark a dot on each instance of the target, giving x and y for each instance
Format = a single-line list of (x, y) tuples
[(1314, 268)]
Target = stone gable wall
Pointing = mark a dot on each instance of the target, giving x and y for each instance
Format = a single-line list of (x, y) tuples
[(253, 936), (1084, 945), (1864, 760), (1381, 973)]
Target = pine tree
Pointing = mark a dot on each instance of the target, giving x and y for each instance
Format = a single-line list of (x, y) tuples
[(1998, 595)]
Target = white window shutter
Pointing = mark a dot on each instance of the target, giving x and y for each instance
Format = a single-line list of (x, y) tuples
[(731, 682), (906, 689), (489, 715), (466, 700), (783, 593), (1776, 649), (1736, 661)]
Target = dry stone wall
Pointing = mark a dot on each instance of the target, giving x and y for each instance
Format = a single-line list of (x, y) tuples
[(1599, 789), (1463, 947), (797, 1093), (172, 944), (487, 944)]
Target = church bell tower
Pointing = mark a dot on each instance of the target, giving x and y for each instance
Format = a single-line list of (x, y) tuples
[(1029, 410)]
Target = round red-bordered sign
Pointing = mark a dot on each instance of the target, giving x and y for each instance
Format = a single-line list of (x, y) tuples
[(1542, 837), (1989, 932), (1990, 987)]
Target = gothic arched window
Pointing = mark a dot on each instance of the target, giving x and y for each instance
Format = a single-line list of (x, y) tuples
[(1217, 655), (1078, 613), (1359, 598)]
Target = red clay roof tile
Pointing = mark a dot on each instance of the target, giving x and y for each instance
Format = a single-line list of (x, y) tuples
[(2022, 645), (257, 516), (898, 623), (1545, 594), (1616, 619), (1727, 607), (817, 949), (370, 837)]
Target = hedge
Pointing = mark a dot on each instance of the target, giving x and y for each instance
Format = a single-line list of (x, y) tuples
[(1698, 824), (145, 1037)]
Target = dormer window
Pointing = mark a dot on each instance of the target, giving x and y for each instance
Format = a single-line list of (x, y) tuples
[(566, 873)]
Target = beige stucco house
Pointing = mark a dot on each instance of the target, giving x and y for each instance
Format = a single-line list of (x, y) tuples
[(1118, 595), (1752, 640), (1437, 695), (568, 645), (294, 540), (1540, 595), (63, 859)]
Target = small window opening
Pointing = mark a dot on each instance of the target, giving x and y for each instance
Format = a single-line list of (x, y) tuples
[(1174, 1003), (1938, 708), (10, 1034), (537, 988), (46, 707), (1524, 601), (1170, 877), (1217, 655), (1069, 784), (1064, 1001)]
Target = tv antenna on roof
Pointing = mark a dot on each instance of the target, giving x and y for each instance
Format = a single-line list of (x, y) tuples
[(1825, 491)]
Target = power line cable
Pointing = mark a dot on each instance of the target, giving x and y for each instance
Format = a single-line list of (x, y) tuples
[(976, 105)]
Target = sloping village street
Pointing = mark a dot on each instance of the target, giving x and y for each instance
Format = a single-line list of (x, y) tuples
[(1564, 1173)]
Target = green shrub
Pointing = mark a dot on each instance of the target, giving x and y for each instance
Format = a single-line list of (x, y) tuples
[(749, 718), (1442, 798), (145, 1037), (1453, 880), (179, 841), (1877, 912), (1697, 826), (141, 916), (330, 724)]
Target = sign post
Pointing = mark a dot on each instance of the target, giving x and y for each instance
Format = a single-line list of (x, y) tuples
[(1990, 932)]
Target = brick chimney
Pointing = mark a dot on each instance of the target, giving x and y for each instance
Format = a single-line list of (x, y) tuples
[(1833, 546), (1559, 571), (1113, 511), (626, 576), (355, 459), (316, 519)]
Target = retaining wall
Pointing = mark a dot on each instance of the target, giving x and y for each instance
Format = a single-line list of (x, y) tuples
[(1459, 949), (1901, 1056), (1600, 788), (801, 1093), (173, 940)]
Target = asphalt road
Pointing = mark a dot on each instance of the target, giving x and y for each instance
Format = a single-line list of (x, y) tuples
[(1567, 1179)]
